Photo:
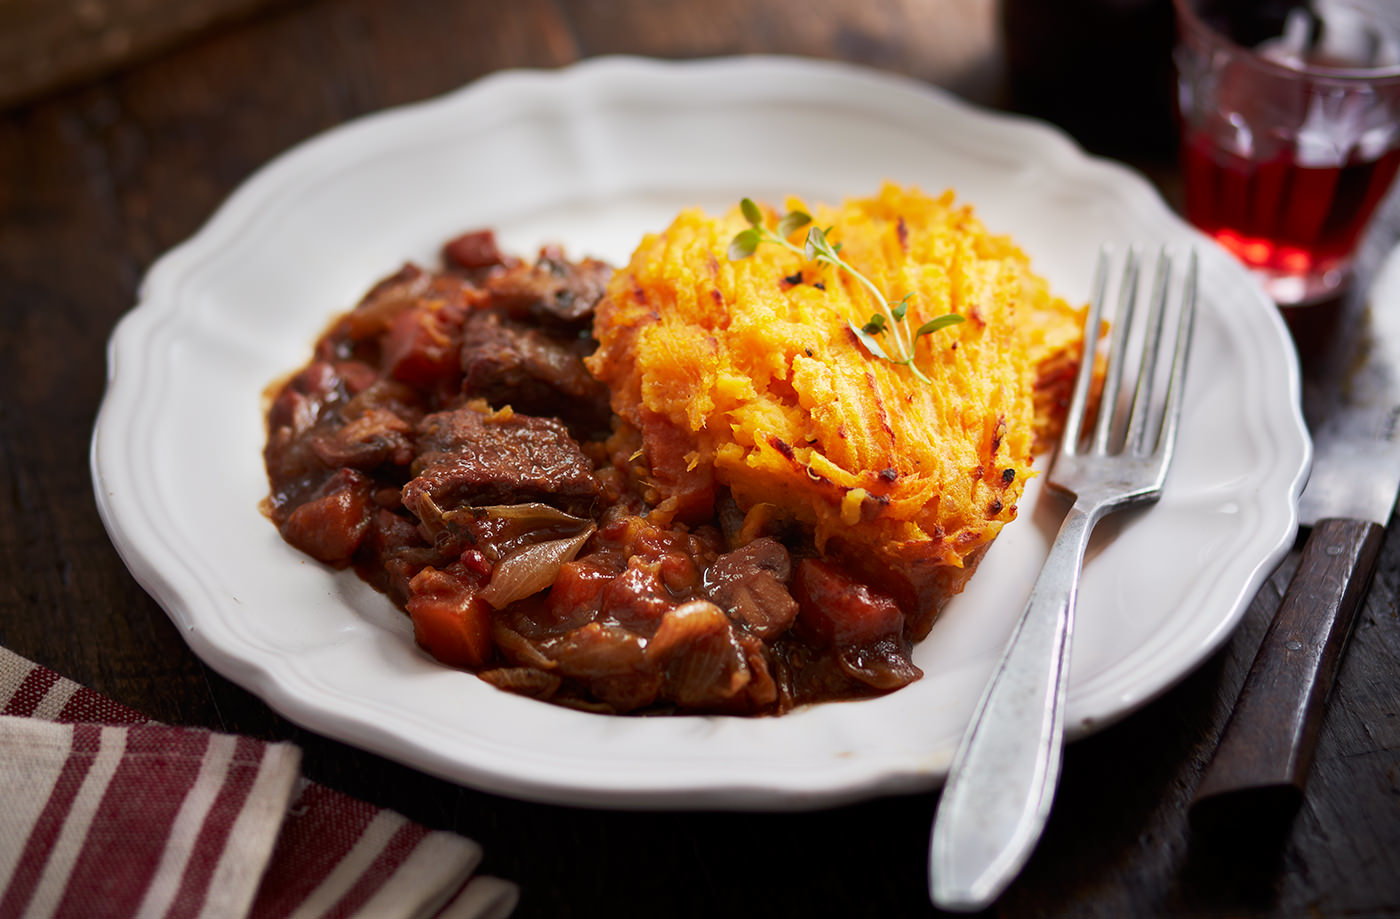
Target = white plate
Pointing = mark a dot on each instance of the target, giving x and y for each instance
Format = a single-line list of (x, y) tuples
[(593, 156)]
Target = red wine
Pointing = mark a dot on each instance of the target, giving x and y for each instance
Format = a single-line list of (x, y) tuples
[(1277, 214)]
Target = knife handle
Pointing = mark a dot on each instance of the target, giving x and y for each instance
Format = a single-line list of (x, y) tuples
[(1267, 746)]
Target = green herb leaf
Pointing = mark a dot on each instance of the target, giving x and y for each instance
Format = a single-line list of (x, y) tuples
[(744, 244), (818, 247), (869, 341), (752, 212), (792, 222), (933, 325)]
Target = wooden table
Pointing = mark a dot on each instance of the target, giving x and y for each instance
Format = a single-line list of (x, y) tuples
[(97, 181)]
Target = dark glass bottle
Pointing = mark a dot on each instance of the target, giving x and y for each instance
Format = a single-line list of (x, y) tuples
[(1100, 69)]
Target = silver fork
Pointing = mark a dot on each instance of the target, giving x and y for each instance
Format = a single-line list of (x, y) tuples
[(1003, 777)]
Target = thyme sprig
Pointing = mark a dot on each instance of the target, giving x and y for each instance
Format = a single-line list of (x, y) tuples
[(818, 247)]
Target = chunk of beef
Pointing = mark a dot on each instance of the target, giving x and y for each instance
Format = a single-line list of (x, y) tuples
[(509, 364), (373, 439), (551, 291), (467, 456), (762, 691), (373, 429), (473, 252), (750, 584), (393, 552), (303, 399), (411, 287), (306, 404)]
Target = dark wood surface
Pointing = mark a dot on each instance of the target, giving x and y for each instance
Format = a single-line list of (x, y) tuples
[(97, 181), (46, 45)]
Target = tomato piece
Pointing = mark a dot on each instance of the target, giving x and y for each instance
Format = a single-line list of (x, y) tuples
[(450, 621), (422, 344), (837, 609), (473, 250), (637, 599), (333, 522), (578, 588)]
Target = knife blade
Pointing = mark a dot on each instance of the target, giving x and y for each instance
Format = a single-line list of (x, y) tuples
[(1266, 749)]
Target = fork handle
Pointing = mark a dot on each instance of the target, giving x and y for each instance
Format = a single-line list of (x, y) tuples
[(1003, 777)]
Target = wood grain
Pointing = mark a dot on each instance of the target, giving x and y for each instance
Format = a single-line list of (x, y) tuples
[(97, 181), (46, 45)]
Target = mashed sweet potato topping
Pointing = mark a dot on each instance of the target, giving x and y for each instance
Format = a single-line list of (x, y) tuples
[(746, 375)]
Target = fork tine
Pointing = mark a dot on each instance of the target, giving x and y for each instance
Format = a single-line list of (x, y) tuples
[(1113, 378), (1171, 414), (1083, 380), (1135, 442)]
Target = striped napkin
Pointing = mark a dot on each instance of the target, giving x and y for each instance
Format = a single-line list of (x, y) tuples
[(104, 813)]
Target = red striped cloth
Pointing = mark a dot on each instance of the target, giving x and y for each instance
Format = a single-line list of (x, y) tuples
[(106, 814)]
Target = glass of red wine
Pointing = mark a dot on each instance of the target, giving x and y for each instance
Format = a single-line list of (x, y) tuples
[(1290, 131)]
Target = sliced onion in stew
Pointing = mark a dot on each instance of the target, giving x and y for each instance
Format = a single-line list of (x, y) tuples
[(531, 569)]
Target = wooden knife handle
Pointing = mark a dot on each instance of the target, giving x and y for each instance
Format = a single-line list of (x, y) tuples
[(1265, 752)]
